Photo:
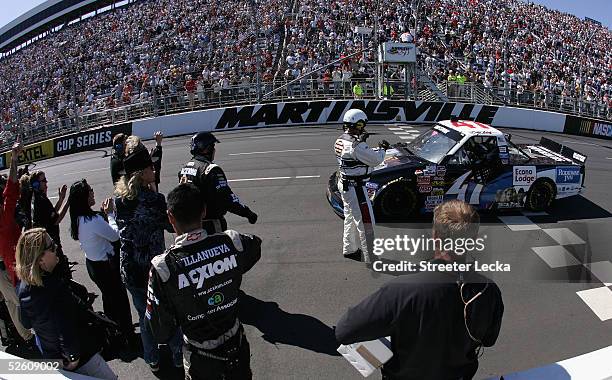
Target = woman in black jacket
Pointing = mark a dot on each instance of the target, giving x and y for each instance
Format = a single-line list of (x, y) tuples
[(50, 308)]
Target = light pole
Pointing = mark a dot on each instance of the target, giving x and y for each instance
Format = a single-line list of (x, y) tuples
[(256, 49)]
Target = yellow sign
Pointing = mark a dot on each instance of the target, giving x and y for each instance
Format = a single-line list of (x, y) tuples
[(34, 152)]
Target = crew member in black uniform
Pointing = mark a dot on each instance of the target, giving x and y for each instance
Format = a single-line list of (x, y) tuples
[(195, 284), (116, 162), (438, 320), (210, 179)]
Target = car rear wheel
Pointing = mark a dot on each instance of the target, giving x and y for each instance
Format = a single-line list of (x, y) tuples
[(541, 196), (397, 202)]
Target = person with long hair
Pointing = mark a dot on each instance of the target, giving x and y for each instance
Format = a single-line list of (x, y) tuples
[(50, 308), (142, 219), (96, 237), (46, 215)]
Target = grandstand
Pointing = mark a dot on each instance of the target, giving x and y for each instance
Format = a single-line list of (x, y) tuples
[(61, 71)]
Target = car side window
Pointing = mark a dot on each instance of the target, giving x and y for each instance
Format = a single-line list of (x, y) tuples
[(459, 158)]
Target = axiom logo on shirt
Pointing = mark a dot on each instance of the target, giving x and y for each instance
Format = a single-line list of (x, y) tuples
[(198, 275)]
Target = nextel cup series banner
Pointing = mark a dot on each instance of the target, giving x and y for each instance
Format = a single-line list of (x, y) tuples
[(33, 152), (89, 140)]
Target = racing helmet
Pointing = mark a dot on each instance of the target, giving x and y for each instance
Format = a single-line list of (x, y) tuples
[(201, 141), (355, 118)]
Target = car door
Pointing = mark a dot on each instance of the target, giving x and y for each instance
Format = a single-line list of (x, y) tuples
[(472, 168)]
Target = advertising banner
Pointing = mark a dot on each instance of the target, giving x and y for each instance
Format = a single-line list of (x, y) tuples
[(89, 140), (33, 152), (581, 126)]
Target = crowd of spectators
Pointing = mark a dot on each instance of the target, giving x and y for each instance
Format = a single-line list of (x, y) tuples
[(123, 56), (186, 49)]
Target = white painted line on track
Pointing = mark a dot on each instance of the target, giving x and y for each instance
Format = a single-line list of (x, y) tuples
[(395, 129), (608, 158), (579, 143), (256, 179), (272, 178), (86, 171), (411, 137), (289, 135), (274, 151), (407, 133)]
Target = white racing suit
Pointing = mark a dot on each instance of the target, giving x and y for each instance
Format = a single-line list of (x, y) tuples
[(356, 159)]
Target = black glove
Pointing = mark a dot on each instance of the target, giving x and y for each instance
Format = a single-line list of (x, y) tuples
[(252, 217), (384, 145), (364, 136)]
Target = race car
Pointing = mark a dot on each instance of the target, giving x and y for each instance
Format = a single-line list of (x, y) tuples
[(470, 161)]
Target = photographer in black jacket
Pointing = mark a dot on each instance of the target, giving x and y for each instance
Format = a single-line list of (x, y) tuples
[(438, 321), (196, 284)]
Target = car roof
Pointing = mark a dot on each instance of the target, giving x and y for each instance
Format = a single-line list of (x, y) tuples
[(471, 128)]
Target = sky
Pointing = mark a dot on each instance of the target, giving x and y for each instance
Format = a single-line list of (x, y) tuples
[(600, 10)]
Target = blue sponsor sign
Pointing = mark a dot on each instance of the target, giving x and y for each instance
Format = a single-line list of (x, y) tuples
[(568, 174)]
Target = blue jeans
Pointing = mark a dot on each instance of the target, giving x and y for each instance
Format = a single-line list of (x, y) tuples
[(149, 344)]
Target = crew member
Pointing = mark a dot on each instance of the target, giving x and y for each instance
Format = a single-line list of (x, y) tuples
[(210, 179), (196, 284), (438, 321), (356, 159)]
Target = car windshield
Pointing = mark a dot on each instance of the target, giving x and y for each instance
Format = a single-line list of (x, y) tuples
[(433, 145)]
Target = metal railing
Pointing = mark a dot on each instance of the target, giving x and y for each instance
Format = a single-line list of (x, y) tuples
[(153, 105)]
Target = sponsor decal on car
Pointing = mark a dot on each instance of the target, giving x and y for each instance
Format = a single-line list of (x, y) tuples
[(433, 200), (502, 149), (579, 157), (424, 180), (371, 185), (438, 183), (437, 191), (523, 175), (441, 171), (425, 189), (430, 170), (568, 174)]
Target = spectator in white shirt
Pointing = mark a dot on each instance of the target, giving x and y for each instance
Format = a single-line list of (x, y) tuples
[(99, 240)]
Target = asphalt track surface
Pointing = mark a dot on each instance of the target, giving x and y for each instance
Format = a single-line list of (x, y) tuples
[(302, 285)]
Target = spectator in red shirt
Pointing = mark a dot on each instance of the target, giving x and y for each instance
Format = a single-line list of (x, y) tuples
[(190, 87), (9, 234)]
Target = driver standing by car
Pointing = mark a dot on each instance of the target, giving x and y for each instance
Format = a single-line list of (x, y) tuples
[(211, 180), (355, 160)]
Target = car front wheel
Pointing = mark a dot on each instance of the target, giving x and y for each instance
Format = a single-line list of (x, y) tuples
[(396, 203)]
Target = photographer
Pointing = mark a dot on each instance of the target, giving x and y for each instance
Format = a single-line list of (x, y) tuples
[(206, 309), (438, 321), (97, 237), (51, 309)]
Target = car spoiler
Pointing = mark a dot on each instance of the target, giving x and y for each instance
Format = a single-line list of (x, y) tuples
[(562, 150)]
